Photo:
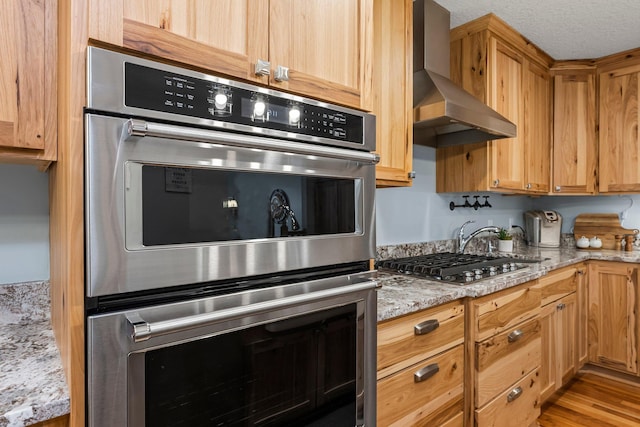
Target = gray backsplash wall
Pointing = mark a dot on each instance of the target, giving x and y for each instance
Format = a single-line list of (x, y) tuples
[(24, 224), (419, 214), (404, 215)]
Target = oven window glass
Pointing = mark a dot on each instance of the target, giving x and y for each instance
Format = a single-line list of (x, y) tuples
[(295, 372), (189, 205)]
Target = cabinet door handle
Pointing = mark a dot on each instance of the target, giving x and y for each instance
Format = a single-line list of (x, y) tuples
[(561, 306), (514, 394), (426, 373), (558, 188), (263, 68), (496, 182), (282, 74), (426, 327), (515, 335), (529, 186)]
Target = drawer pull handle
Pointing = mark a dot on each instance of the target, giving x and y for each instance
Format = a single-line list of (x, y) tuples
[(426, 327), (514, 394), (515, 335), (426, 373)]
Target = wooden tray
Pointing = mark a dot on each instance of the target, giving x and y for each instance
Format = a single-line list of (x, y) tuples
[(605, 226)]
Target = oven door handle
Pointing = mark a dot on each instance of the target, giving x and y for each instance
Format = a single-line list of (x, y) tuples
[(142, 128), (141, 330)]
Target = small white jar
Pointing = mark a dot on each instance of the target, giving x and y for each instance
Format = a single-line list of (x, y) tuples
[(595, 242), (582, 242)]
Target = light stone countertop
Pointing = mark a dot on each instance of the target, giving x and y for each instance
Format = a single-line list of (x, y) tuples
[(401, 294), (32, 381)]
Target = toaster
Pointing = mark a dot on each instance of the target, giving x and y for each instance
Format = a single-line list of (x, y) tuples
[(542, 228)]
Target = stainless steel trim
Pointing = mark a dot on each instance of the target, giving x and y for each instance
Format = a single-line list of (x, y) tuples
[(141, 128), (425, 327), (426, 373), (144, 331)]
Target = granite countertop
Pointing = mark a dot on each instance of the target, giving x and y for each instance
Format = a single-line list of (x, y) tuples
[(32, 381), (401, 294)]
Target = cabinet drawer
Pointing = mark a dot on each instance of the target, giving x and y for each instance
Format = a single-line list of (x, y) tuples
[(557, 284), (503, 310), (400, 344), (517, 406), (502, 360), (433, 401)]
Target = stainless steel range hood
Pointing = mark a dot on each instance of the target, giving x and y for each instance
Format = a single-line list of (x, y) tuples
[(444, 113)]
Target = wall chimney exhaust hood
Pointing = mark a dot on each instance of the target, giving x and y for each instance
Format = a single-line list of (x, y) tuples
[(444, 113)]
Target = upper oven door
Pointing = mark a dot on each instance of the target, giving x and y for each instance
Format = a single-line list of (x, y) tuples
[(168, 205)]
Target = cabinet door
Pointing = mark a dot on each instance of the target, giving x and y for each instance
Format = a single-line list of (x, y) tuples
[(566, 327), (225, 36), (582, 327), (326, 45), (574, 132), (536, 130), (27, 80), (549, 351), (392, 103), (619, 139), (505, 96), (612, 316)]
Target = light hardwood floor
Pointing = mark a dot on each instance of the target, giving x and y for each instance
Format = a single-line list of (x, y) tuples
[(591, 400)]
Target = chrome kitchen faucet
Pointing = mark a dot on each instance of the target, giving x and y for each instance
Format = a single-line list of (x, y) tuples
[(462, 241)]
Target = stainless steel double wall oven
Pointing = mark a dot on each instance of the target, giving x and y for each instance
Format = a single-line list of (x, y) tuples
[(228, 233)]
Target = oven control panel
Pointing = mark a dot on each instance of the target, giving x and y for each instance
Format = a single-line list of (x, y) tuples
[(233, 102)]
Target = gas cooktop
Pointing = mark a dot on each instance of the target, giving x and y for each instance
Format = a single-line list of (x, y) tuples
[(453, 267)]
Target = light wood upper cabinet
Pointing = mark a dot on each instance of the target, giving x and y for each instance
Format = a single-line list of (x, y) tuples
[(537, 127), (504, 70), (575, 135), (619, 121), (505, 93), (613, 320), (28, 82), (392, 90), (325, 44)]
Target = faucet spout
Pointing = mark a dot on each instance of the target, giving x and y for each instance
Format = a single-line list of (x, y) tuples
[(463, 241)]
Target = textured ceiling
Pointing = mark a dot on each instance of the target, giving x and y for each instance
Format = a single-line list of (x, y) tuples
[(565, 29)]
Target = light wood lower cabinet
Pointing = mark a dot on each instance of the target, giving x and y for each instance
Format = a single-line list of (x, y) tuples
[(503, 349), (613, 320), (563, 327), (421, 368)]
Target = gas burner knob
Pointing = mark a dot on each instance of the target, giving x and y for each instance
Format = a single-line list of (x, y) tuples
[(493, 269), (512, 266), (505, 267), (468, 274), (469, 279), (478, 271)]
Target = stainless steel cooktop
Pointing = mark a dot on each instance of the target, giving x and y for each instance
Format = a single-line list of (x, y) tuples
[(453, 267)]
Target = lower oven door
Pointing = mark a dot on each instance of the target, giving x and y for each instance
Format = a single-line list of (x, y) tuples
[(294, 355)]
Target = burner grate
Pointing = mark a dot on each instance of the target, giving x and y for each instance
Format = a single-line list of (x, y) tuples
[(450, 267)]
